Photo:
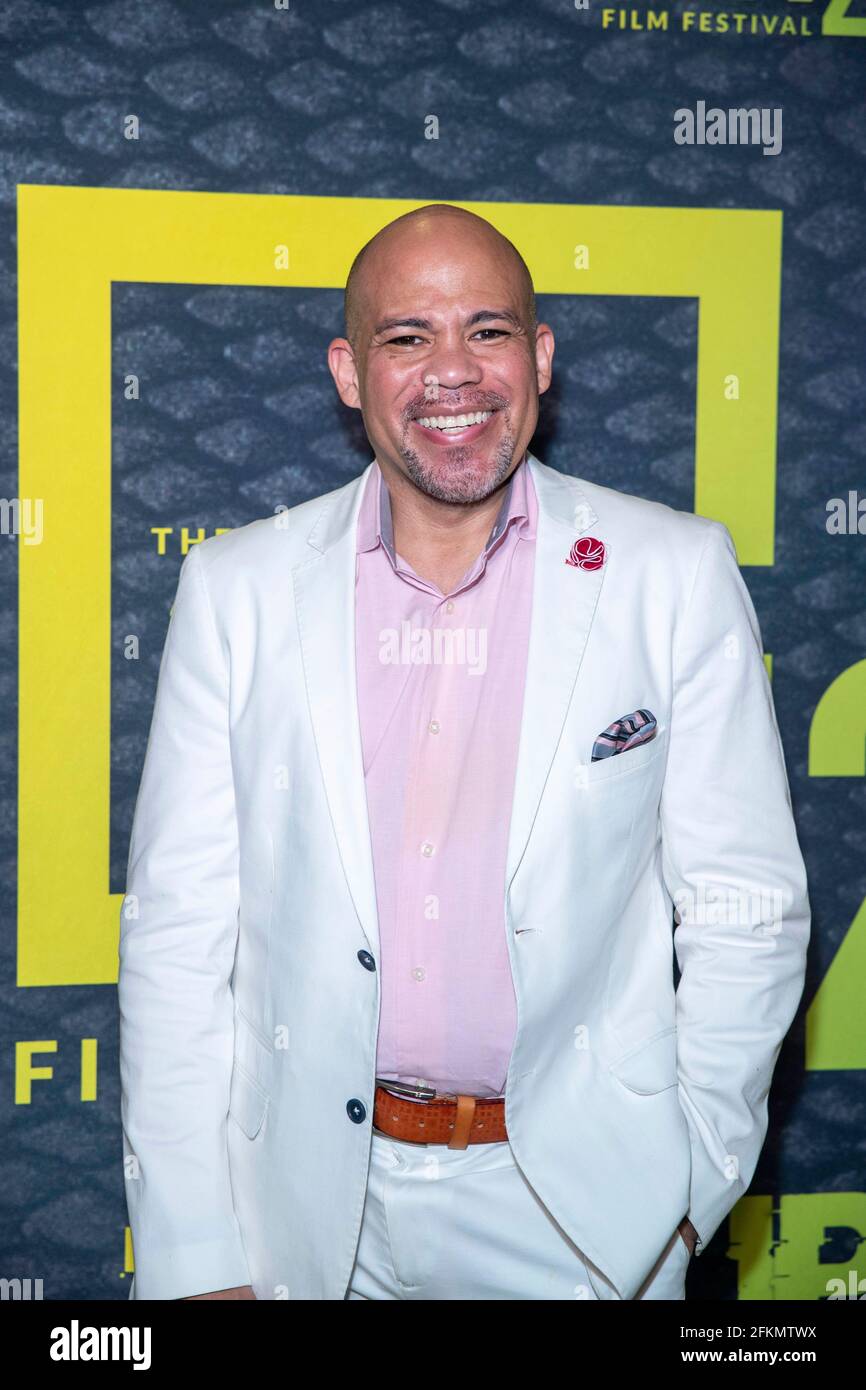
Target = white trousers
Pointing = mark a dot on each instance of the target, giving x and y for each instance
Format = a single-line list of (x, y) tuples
[(442, 1223)]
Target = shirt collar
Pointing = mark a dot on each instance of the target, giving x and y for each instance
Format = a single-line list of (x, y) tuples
[(375, 524)]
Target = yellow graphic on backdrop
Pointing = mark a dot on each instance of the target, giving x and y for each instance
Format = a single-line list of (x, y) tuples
[(835, 22), (73, 243), (835, 1022)]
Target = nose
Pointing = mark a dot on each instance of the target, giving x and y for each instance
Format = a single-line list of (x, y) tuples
[(453, 366)]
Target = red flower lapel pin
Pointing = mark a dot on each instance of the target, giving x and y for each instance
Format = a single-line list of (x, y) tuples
[(588, 553)]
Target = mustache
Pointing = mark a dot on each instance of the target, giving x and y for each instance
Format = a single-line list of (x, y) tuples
[(464, 405)]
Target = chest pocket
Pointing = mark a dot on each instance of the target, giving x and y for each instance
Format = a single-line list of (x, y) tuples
[(623, 766)]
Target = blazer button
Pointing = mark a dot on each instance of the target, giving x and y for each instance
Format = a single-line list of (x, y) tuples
[(366, 960), (357, 1110)]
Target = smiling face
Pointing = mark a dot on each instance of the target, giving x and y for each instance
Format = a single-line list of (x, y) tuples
[(447, 364)]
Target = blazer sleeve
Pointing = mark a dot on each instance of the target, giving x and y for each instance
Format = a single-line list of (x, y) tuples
[(733, 867), (178, 932)]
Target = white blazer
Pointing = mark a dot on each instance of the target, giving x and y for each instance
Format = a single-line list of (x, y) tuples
[(248, 1022)]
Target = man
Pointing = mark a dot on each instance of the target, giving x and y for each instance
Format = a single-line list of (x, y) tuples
[(433, 760)]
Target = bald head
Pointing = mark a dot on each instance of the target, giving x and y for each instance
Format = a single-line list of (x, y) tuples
[(441, 322), (408, 235)]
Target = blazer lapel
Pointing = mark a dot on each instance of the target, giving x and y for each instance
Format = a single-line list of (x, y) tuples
[(563, 606), (325, 606)]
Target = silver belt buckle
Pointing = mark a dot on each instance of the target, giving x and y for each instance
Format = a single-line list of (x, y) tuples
[(401, 1088)]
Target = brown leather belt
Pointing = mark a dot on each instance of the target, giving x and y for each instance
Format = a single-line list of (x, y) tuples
[(430, 1117)]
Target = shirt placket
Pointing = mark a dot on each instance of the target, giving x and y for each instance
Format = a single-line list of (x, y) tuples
[(425, 851)]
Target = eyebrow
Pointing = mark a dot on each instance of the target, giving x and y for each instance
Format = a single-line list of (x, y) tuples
[(480, 316)]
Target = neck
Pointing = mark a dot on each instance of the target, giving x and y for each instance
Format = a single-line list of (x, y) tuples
[(440, 540)]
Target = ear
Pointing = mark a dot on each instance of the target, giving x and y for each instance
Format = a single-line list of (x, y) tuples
[(544, 345), (344, 370)]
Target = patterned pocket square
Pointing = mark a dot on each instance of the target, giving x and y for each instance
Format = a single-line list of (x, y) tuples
[(628, 732)]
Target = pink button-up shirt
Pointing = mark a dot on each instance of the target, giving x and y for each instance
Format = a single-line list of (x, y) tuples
[(440, 681)]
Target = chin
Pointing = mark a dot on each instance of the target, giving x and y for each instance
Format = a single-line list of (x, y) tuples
[(460, 474)]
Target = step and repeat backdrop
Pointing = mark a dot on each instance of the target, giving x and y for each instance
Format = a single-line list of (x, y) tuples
[(182, 190)]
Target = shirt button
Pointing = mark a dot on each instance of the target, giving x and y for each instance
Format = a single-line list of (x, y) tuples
[(449, 607), (417, 973), (426, 849), (433, 726)]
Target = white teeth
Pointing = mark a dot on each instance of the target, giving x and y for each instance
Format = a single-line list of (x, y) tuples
[(454, 422)]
